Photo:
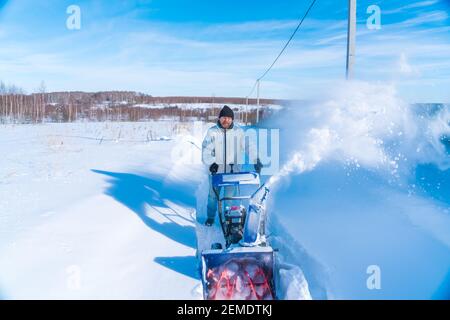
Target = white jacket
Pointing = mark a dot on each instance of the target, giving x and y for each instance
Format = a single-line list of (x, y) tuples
[(227, 148)]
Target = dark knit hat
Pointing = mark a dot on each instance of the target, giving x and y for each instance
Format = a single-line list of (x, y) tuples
[(226, 112)]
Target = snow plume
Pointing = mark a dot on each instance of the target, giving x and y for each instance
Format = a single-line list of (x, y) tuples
[(363, 171), (367, 125), (306, 160)]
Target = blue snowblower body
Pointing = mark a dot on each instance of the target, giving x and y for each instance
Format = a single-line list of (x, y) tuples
[(244, 268)]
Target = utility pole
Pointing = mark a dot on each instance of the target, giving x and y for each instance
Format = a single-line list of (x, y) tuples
[(351, 37), (257, 101)]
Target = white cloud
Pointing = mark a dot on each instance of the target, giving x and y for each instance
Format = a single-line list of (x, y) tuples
[(414, 5), (435, 16), (251, 26), (405, 68), (342, 36)]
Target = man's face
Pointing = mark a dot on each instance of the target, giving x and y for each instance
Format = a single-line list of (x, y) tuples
[(225, 122)]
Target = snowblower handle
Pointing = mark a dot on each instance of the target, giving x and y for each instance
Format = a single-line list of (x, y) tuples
[(235, 198), (235, 179), (266, 191)]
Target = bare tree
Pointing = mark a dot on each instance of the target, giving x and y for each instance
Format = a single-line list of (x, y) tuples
[(42, 99)]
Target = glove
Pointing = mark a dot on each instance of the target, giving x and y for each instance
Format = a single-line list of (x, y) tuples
[(258, 166), (213, 168)]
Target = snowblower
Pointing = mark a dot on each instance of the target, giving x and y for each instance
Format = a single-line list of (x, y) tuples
[(244, 268)]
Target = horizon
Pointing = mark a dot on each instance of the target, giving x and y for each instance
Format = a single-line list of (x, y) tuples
[(204, 97)]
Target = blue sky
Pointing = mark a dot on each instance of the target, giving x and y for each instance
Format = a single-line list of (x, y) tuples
[(218, 47)]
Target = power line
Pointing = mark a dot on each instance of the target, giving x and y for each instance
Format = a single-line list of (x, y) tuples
[(287, 43), (284, 48), (253, 89)]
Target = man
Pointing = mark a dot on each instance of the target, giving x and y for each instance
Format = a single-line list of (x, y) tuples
[(223, 151)]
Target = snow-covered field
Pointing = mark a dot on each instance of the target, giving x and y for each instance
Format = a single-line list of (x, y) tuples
[(86, 217), (359, 209)]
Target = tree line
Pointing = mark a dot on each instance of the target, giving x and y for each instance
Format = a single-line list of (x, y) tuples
[(18, 107)]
